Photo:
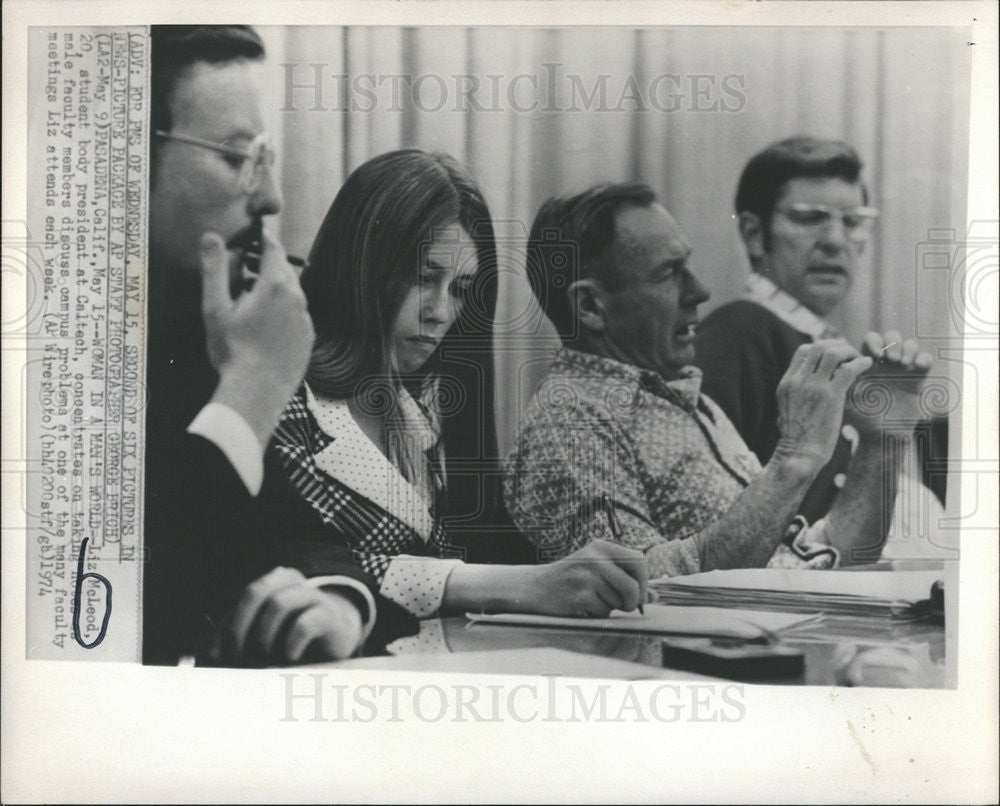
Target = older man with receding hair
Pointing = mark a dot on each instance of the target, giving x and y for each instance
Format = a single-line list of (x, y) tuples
[(620, 443)]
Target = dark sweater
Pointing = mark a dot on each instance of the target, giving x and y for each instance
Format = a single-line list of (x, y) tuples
[(743, 350)]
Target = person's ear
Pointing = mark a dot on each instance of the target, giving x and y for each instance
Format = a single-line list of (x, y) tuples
[(752, 232), (587, 304)]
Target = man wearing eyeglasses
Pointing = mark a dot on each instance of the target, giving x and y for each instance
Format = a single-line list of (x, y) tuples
[(806, 221), (229, 340)]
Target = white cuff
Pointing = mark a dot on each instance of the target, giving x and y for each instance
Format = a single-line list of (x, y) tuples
[(814, 547), (337, 581), (417, 583), (815, 533), (233, 436), (430, 640)]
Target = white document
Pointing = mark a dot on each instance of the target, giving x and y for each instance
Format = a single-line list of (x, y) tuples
[(891, 586)]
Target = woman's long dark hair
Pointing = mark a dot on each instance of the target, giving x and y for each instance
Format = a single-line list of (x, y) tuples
[(364, 260)]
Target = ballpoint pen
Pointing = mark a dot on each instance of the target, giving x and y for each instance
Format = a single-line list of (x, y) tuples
[(613, 525), (881, 355)]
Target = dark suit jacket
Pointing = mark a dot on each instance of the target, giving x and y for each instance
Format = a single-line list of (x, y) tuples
[(205, 536)]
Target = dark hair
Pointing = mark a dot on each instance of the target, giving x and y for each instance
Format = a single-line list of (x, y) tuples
[(175, 48), (570, 240), (364, 260), (367, 254), (767, 172)]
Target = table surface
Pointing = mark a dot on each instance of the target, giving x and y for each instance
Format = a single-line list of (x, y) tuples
[(837, 650)]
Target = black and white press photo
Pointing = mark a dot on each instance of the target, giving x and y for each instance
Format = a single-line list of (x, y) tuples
[(394, 387)]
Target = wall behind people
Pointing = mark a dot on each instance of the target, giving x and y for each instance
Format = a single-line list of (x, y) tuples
[(536, 112)]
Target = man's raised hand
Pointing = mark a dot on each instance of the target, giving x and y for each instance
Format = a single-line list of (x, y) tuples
[(811, 399), (259, 342)]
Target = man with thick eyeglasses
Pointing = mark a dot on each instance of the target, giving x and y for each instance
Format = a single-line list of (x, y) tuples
[(805, 220), (222, 581), (254, 160)]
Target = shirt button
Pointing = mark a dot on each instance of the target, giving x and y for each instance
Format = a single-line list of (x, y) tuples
[(839, 480)]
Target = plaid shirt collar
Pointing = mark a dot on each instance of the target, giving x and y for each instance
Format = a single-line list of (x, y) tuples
[(684, 391), (355, 461), (789, 310)]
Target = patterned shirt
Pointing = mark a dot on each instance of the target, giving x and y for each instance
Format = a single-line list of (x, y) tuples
[(600, 435)]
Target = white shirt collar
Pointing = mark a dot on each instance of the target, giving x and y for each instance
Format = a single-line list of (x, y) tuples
[(789, 310), (353, 459)]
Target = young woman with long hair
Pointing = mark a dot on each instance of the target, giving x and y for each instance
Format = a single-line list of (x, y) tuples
[(391, 440)]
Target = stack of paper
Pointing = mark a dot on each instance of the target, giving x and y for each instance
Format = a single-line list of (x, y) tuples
[(660, 619), (859, 593)]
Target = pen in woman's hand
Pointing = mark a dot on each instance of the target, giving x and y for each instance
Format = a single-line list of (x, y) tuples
[(609, 507)]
